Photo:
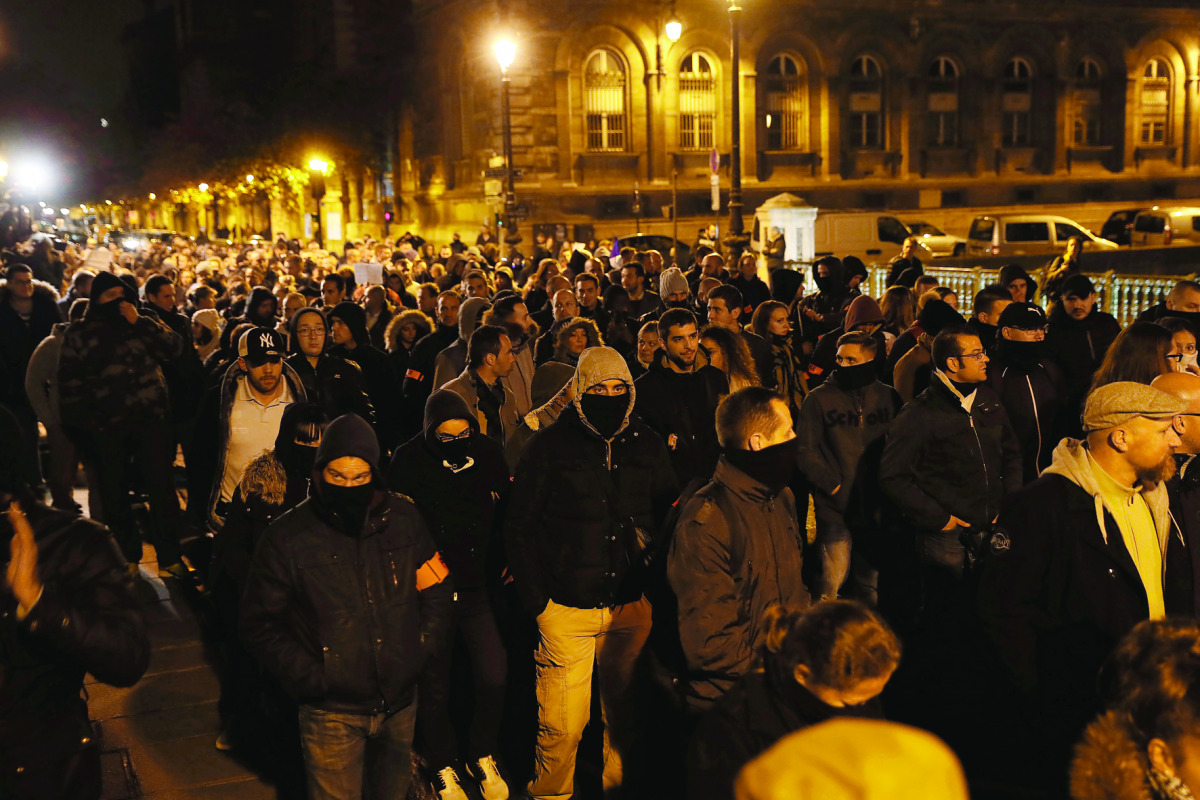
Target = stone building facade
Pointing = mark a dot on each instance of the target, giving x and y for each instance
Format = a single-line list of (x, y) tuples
[(848, 103)]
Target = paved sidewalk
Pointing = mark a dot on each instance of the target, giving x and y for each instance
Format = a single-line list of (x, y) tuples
[(157, 737)]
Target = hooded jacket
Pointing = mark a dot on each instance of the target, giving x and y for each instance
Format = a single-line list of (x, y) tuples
[(862, 310), (548, 381), (210, 319), (345, 622), (681, 407), (418, 377), (1034, 395), (1056, 602), (335, 384), (727, 528), (41, 378), (830, 301), (586, 511), (19, 338), (379, 376), (452, 360), (946, 457), (1012, 272), (1078, 347), (1109, 765), (462, 504), (258, 296)]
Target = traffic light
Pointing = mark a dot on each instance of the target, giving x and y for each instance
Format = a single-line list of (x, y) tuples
[(499, 221), (387, 216)]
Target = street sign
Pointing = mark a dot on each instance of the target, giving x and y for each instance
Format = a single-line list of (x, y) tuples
[(493, 188), (714, 161), (715, 182), (502, 174)]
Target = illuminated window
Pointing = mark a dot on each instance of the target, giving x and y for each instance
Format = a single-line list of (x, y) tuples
[(604, 101), (866, 104), (1085, 103), (1017, 103), (1154, 103), (697, 103), (785, 106), (942, 111)]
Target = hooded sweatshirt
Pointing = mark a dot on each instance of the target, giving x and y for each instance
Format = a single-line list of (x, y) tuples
[(450, 363), (1143, 516), (863, 310), (379, 376), (258, 296), (210, 319)]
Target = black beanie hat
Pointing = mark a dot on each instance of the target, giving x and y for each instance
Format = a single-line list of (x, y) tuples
[(1024, 316), (348, 435), (102, 283), (355, 317), (937, 315)]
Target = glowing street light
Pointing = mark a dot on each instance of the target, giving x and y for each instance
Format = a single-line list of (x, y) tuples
[(674, 28), (506, 52), (249, 179), (203, 187), (153, 196), (320, 165), (3, 169), (34, 173)]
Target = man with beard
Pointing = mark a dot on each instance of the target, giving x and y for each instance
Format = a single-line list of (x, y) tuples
[(1030, 385), (641, 300), (512, 314), (725, 310), (1080, 563), (481, 385), (678, 396), (587, 293), (1078, 336)]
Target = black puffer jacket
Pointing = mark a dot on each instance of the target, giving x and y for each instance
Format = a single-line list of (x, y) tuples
[(335, 384), (88, 620), (462, 508), (579, 509), (940, 460)]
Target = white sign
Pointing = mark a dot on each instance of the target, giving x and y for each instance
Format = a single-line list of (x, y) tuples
[(368, 274), (715, 182), (99, 260), (333, 225)]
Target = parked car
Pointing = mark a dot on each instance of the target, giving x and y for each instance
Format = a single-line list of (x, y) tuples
[(1028, 234), (939, 243), (1162, 227), (1119, 225)]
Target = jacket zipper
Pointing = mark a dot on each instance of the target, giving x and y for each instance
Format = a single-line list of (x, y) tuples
[(1037, 420)]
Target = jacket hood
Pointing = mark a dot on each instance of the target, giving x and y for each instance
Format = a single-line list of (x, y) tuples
[(355, 318), (42, 292), (445, 405), (1011, 272), (1071, 461), (209, 318), (259, 295), (294, 323), (348, 435), (1107, 764), (469, 315), (598, 364), (862, 310), (265, 476), (101, 284)]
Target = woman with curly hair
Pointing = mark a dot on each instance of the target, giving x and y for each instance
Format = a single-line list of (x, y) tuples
[(402, 335), (573, 338), (729, 353), (770, 321)]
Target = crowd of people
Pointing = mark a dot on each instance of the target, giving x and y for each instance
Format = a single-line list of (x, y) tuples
[(432, 511)]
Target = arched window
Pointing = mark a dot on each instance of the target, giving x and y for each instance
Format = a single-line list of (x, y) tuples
[(785, 109), (942, 117), (866, 103), (697, 103), (1017, 103), (1085, 103), (604, 101), (1154, 102)]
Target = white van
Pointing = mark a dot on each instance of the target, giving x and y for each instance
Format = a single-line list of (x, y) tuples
[(873, 236), (1028, 234), (1162, 227)]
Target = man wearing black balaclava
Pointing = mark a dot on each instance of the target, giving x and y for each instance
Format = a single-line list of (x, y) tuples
[(1031, 386), (346, 599), (737, 546), (590, 494), (838, 422), (459, 480)]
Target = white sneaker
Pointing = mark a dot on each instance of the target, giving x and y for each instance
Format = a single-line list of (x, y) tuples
[(490, 782), (448, 786)]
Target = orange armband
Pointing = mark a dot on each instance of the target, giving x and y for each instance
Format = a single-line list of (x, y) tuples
[(431, 573)]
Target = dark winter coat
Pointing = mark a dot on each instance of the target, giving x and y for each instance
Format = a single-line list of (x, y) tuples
[(1181, 582), (1035, 399), (940, 460), (338, 619), (585, 514), (110, 373), (19, 338), (383, 389), (418, 378), (736, 552), (681, 407), (335, 384), (184, 374), (835, 427), (1078, 347), (762, 708)]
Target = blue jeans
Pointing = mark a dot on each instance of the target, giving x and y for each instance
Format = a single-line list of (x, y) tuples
[(350, 756)]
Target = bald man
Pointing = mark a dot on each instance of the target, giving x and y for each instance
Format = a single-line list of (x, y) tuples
[(1181, 580)]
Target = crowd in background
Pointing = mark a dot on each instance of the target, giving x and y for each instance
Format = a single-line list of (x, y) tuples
[(435, 496)]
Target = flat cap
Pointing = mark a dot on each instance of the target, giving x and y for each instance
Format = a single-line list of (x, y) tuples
[(1115, 403)]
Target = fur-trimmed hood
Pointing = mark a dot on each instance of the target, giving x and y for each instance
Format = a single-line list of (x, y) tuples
[(1108, 765), (42, 293), (266, 477)]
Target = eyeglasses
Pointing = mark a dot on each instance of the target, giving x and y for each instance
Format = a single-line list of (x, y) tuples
[(978, 356), (313, 331), (447, 437)]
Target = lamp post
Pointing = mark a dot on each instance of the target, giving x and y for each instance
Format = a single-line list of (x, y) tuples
[(736, 239), (506, 51), (317, 168)]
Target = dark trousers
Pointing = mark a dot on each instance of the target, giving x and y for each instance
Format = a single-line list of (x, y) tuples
[(145, 450), (53, 755), (476, 630)]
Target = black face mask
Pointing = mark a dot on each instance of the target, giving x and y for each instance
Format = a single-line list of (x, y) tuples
[(297, 459), (1022, 355), (350, 504), (677, 304), (825, 284), (110, 311), (606, 413), (455, 452), (854, 377), (772, 466)]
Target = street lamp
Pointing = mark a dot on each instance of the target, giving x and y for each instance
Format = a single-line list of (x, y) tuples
[(317, 169), (506, 52), (736, 239), (3, 169)]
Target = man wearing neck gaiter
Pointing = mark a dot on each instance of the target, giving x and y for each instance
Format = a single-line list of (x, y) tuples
[(950, 458), (589, 496), (347, 597), (737, 546)]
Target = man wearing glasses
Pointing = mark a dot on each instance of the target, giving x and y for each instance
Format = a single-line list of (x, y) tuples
[(1030, 385), (951, 456)]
